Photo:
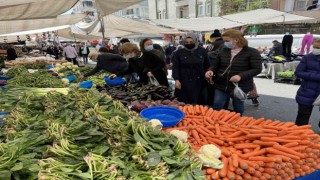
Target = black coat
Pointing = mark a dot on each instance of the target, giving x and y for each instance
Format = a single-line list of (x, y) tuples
[(81, 49), (11, 54), (246, 64), (152, 63), (112, 63), (135, 65), (189, 68)]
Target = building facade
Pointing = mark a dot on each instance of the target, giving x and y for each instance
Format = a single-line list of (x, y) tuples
[(137, 11), (292, 5), (168, 9)]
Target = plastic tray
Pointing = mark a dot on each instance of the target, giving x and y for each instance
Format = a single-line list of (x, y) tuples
[(115, 81), (86, 84), (5, 78), (2, 115), (167, 115), (50, 66)]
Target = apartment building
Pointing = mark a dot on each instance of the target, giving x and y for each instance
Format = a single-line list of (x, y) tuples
[(137, 11), (169, 9), (292, 5)]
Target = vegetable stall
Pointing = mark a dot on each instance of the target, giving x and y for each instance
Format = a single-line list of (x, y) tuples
[(55, 129)]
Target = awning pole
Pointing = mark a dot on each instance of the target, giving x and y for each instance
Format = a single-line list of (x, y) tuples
[(284, 20), (102, 25)]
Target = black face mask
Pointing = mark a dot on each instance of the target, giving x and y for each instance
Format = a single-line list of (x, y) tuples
[(190, 46)]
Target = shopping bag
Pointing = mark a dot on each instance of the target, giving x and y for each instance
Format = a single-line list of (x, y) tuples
[(317, 101), (238, 93), (153, 81)]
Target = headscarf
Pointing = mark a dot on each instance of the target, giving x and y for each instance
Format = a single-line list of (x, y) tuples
[(195, 39)]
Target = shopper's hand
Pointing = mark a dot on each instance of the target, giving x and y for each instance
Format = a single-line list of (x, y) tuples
[(209, 74), (112, 76), (178, 84), (235, 78), (149, 74)]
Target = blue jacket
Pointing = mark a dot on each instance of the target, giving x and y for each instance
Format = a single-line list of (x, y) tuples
[(309, 71)]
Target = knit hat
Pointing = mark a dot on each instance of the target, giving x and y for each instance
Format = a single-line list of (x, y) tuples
[(216, 33)]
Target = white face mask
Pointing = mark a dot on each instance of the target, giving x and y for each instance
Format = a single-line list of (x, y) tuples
[(316, 51), (128, 56)]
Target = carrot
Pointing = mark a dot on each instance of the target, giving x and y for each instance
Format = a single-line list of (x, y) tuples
[(238, 177), (196, 136), (283, 158), (236, 139), (275, 151), (243, 164), (247, 176), (255, 136), (272, 127), (263, 143), (231, 175), (210, 171), (215, 176), (252, 164), (254, 153), (234, 118), (275, 123), (250, 170), (239, 171), (246, 146), (276, 139), (235, 160), (257, 174), (218, 132), (224, 170), (231, 167), (292, 144), (288, 150), (262, 158), (235, 134), (261, 169), (226, 152), (299, 148), (258, 121), (215, 140), (267, 175), (203, 138), (270, 171)]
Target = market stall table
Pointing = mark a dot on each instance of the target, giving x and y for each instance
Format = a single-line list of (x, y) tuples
[(272, 68)]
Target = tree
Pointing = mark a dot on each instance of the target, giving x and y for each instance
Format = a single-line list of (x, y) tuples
[(235, 6)]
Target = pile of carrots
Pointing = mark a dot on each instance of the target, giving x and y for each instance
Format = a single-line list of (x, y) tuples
[(251, 148)]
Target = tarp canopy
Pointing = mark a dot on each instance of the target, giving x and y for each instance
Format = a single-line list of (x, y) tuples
[(198, 24), (263, 16), (36, 31), (314, 14), (32, 9), (107, 7), (26, 25)]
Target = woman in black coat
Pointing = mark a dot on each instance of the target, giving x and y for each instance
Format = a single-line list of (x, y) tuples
[(189, 67), (145, 64), (235, 62)]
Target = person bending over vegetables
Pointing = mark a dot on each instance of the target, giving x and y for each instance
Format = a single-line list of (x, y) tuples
[(112, 63), (309, 71), (233, 62), (131, 53), (145, 64), (188, 70)]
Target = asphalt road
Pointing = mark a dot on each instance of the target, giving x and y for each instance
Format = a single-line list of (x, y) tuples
[(277, 102)]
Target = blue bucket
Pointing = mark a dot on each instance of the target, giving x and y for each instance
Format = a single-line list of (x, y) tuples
[(71, 78), (50, 66), (167, 115), (86, 84), (115, 81), (5, 78)]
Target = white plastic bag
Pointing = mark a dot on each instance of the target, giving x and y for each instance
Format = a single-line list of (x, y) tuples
[(238, 93), (317, 101), (153, 81)]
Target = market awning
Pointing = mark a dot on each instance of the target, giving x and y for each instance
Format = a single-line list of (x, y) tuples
[(26, 25), (313, 14), (198, 24), (31, 9), (263, 16)]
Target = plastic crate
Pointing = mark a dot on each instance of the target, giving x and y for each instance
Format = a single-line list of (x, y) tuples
[(293, 80)]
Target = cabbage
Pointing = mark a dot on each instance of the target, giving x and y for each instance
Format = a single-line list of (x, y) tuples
[(211, 151)]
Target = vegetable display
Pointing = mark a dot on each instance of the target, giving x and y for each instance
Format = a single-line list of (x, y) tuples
[(131, 92), (15, 71), (40, 79), (252, 148), (98, 78), (35, 66), (286, 74), (86, 135), (66, 69)]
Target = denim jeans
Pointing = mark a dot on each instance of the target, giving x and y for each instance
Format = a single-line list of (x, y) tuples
[(220, 98)]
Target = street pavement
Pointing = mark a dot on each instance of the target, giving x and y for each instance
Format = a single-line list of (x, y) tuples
[(277, 102)]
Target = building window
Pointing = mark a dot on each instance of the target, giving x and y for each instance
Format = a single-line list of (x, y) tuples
[(164, 14), (200, 9), (160, 15), (137, 11), (129, 11), (301, 5), (87, 3), (208, 7)]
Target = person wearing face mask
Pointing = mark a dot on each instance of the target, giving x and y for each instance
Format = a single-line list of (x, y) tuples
[(169, 50), (132, 53), (189, 66), (309, 71), (233, 62)]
